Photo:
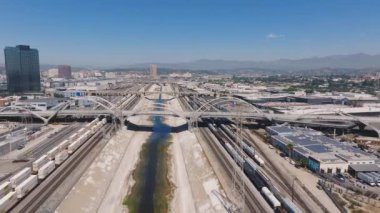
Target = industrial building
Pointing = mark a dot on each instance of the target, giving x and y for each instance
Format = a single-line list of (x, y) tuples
[(322, 154), (35, 104)]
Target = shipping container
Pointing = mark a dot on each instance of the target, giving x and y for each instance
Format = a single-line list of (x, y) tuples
[(64, 144), (73, 147), (60, 157), (51, 153), (20, 176), (46, 169), (73, 137), (5, 188), (26, 186), (88, 126), (36, 165), (8, 201)]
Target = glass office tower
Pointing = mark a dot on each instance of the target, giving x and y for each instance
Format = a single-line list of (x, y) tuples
[(23, 69)]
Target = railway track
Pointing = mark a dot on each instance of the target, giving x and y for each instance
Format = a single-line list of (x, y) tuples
[(48, 143), (252, 203), (270, 169), (35, 198)]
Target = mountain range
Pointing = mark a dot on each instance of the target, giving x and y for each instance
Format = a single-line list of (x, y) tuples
[(351, 61)]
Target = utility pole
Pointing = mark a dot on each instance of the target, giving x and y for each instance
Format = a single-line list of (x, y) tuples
[(294, 178), (238, 184)]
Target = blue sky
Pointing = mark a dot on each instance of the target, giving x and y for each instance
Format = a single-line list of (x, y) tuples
[(116, 33)]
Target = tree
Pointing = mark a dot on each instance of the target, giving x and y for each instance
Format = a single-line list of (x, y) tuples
[(303, 162), (290, 149)]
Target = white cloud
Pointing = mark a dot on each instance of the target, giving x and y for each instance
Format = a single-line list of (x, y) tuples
[(274, 36)]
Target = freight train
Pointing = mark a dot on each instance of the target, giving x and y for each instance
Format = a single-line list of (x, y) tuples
[(252, 164), (20, 184)]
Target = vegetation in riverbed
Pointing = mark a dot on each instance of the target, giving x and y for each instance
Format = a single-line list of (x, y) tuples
[(133, 199), (164, 188)]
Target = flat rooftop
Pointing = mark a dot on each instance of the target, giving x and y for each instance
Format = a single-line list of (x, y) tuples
[(365, 167), (315, 144)]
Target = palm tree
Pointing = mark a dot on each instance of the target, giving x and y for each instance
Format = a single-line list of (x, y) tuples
[(290, 149)]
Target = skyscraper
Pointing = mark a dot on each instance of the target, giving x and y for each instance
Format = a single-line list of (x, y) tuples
[(153, 71), (64, 71), (23, 69)]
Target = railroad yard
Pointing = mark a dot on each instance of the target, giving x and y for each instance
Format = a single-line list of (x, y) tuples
[(212, 164)]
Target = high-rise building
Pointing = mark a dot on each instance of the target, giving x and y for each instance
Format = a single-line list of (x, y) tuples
[(23, 69), (64, 71), (153, 71)]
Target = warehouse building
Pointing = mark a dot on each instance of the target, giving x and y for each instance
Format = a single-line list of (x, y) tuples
[(356, 168), (322, 154), (41, 104)]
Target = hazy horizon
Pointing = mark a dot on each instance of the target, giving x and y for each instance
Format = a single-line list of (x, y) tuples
[(117, 33)]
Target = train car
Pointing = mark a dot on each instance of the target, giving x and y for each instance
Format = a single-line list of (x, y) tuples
[(228, 131), (212, 128), (95, 120), (249, 150), (272, 200), (238, 159), (73, 147), (289, 206), (26, 186), (5, 188), (36, 165), (45, 170), (87, 134), (88, 126), (259, 160), (63, 145), (250, 166), (73, 137), (61, 157), (264, 178), (20, 176), (252, 173), (83, 138), (8, 201), (51, 153), (93, 129), (81, 131), (99, 125)]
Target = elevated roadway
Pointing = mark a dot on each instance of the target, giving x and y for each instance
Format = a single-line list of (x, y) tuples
[(278, 118)]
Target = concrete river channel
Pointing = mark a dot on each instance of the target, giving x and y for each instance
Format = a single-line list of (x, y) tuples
[(152, 189)]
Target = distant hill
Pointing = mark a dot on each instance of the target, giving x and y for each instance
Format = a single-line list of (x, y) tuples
[(352, 61)]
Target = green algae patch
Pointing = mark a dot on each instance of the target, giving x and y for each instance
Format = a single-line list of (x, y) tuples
[(163, 189)]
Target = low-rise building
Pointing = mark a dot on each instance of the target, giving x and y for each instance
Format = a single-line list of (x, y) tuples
[(322, 154), (35, 104)]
